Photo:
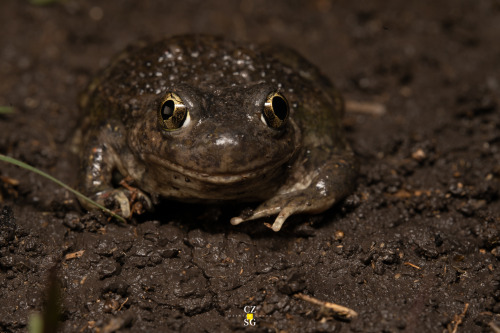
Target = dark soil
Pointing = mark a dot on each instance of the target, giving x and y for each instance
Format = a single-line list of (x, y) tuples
[(414, 247)]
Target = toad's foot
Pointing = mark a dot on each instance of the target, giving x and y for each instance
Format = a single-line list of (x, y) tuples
[(126, 201), (286, 206), (315, 195)]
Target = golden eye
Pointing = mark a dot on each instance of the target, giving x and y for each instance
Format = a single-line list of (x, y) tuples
[(276, 110), (172, 114)]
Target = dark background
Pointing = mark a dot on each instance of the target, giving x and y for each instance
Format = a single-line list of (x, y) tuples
[(415, 243)]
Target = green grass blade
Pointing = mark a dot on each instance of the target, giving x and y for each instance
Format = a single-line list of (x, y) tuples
[(6, 109), (58, 182), (35, 323)]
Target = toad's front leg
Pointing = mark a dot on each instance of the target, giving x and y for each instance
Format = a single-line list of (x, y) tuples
[(104, 155), (310, 190)]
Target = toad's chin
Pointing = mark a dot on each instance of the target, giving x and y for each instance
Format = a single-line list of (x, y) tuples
[(172, 180)]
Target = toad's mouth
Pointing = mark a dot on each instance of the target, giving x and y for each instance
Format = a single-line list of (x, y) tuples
[(222, 178)]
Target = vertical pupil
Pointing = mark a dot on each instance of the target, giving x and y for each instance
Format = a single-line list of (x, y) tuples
[(167, 109), (279, 107)]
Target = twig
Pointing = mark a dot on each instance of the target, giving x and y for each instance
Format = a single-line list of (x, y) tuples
[(341, 310), (494, 327), (412, 265), (457, 320), (74, 255), (371, 108), (121, 305)]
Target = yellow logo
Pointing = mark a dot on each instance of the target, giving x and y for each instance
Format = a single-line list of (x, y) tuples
[(249, 320)]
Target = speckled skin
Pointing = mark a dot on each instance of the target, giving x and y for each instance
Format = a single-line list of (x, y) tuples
[(226, 152)]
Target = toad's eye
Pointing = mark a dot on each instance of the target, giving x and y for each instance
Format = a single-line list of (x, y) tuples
[(172, 114), (276, 110)]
